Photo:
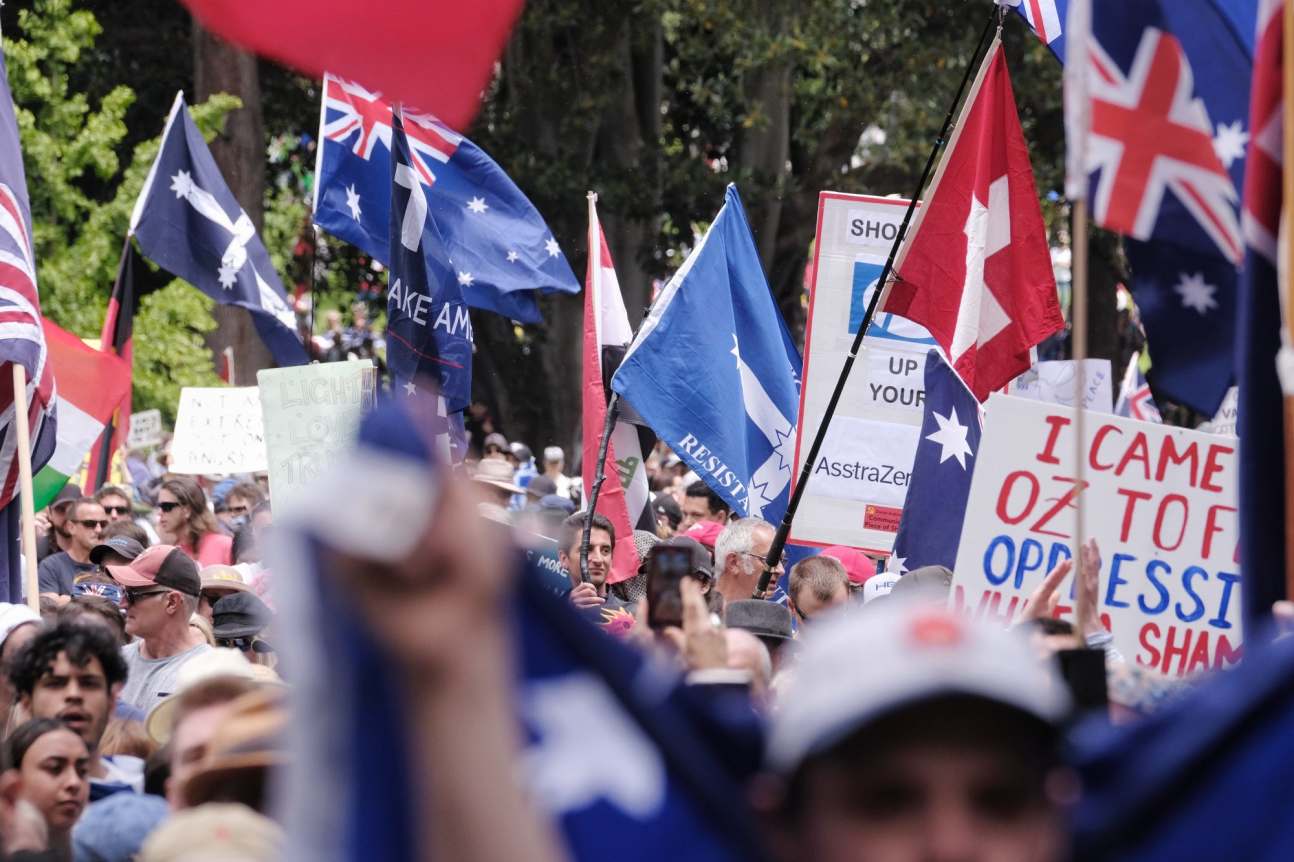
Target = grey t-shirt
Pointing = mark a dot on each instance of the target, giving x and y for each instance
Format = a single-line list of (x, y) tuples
[(58, 572), (151, 679)]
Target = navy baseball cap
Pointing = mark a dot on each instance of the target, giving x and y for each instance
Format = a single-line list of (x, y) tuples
[(123, 546)]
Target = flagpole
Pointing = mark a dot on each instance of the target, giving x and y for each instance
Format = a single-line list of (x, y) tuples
[(100, 477), (1078, 335), (784, 529), (1286, 251), (599, 476), (28, 510)]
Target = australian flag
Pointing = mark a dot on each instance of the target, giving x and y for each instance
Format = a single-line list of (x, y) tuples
[(187, 221), (626, 761), (1046, 18), (1157, 123), (428, 329), (930, 528), (714, 373), (500, 247)]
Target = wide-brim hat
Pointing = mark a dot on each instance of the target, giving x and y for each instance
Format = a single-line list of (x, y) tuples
[(493, 471), (250, 738)]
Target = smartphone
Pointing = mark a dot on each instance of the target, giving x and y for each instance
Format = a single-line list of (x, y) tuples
[(666, 567)]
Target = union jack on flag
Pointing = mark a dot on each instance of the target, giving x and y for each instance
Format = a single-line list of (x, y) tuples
[(1135, 398), (1047, 19), (1156, 107)]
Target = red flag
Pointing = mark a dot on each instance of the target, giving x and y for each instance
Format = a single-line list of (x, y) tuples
[(431, 54), (606, 324), (976, 269)]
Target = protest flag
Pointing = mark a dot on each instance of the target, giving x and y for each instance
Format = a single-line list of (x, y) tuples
[(92, 384), (428, 330), (627, 761), (714, 373), (115, 338), (1264, 506), (1155, 113), (187, 221), (1135, 400), (497, 240), (976, 269), (437, 55), (22, 343), (626, 502), (930, 527)]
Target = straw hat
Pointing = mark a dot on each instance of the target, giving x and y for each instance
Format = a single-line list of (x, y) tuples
[(493, 471)]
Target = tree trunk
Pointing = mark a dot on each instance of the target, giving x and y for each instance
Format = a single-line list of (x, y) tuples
[(239, 151)]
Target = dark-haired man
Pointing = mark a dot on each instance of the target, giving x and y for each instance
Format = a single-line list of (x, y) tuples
[(85, 524), (701, 503), (74, 672), (602, 543)]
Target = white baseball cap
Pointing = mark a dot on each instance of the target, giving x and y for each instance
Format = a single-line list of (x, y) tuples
[(858, 666)]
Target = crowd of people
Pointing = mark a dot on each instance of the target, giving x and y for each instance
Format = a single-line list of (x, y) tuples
[(144, 707)]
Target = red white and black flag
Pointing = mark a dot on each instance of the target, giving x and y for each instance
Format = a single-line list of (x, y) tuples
[(976, 268), (624, 497)]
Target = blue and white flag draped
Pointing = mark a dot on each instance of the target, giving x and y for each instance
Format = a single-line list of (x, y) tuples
[(714, 373), (501, 248), (188, 222), (629, 763), (930, 527)]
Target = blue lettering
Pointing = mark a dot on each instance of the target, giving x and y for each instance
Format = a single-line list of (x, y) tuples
[(1152, 568), (1229, 580), (1116, 580), (989, 556), (1030, 560), (1187, 577)]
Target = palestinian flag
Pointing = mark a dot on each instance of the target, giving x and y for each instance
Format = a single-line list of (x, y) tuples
[(91, 384)]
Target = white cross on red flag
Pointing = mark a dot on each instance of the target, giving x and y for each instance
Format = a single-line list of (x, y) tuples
[(976, 268)]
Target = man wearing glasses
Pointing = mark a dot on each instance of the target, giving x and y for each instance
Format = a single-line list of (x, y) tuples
[(86, 521), (161, 589), (739, 554)]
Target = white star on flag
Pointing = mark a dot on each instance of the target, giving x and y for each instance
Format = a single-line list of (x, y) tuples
[(352, 202), (951, 437), (228, 277), (409, 388), (465, 279), (896, 565), (1196, 293), (512, 256), (588, 749), (551, 247), (1230, 142), (477, 205), (182, 184)]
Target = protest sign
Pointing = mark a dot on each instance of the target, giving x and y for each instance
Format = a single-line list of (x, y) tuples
[(145, 429), (1161, 501), (1055, 381), (857, 488), (218, 431), (311, 413), (1224, 421)]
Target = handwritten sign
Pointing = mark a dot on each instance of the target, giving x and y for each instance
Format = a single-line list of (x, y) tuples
[(1056, 382), (1227, 417), (145, 429), (1161, 502), (311, 413), (218, 431)]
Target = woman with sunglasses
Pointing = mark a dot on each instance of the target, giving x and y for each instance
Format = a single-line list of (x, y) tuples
[(185, 521)]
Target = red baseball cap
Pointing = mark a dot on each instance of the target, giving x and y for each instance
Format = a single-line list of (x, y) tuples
[(163, 565), (705, 532), (857, 565)]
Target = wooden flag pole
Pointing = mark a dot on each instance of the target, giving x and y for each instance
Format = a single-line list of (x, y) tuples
[(1078, 341), (1285, 285), (31, 584)]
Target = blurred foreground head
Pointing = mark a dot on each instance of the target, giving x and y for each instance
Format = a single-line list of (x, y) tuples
[(909, 733)]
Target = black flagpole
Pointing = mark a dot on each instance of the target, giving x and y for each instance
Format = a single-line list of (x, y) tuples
[(784, 529), (599, 476), (124, 291)]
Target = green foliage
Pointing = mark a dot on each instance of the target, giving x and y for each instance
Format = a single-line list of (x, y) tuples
[(81, 199), (169, 351)]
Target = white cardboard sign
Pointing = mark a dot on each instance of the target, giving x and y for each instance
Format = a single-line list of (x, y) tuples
[(218, 430), (878, 419), (1161, 502), (1056, 382), (311, 413), (145, 429)]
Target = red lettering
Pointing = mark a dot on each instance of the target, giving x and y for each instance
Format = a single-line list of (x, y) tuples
[(1168, 454), (1066, 501), (1212, 467), (1134, 497), (1225, 652), (1048, 453), (1097, 439), (1149, 634), (1005, 495), (1200, 655), (1173, 650), (1211, 526), (1138, 451), (1160, 517)]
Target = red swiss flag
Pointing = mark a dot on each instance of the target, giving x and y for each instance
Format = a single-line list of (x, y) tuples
[(976, 269)]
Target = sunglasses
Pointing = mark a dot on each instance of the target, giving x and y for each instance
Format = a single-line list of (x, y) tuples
[(254, 644), (168, 507), (116, 510), (136, 595), (91, 524)]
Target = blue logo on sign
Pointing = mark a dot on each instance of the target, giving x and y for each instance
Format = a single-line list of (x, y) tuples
[(889, 326)]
